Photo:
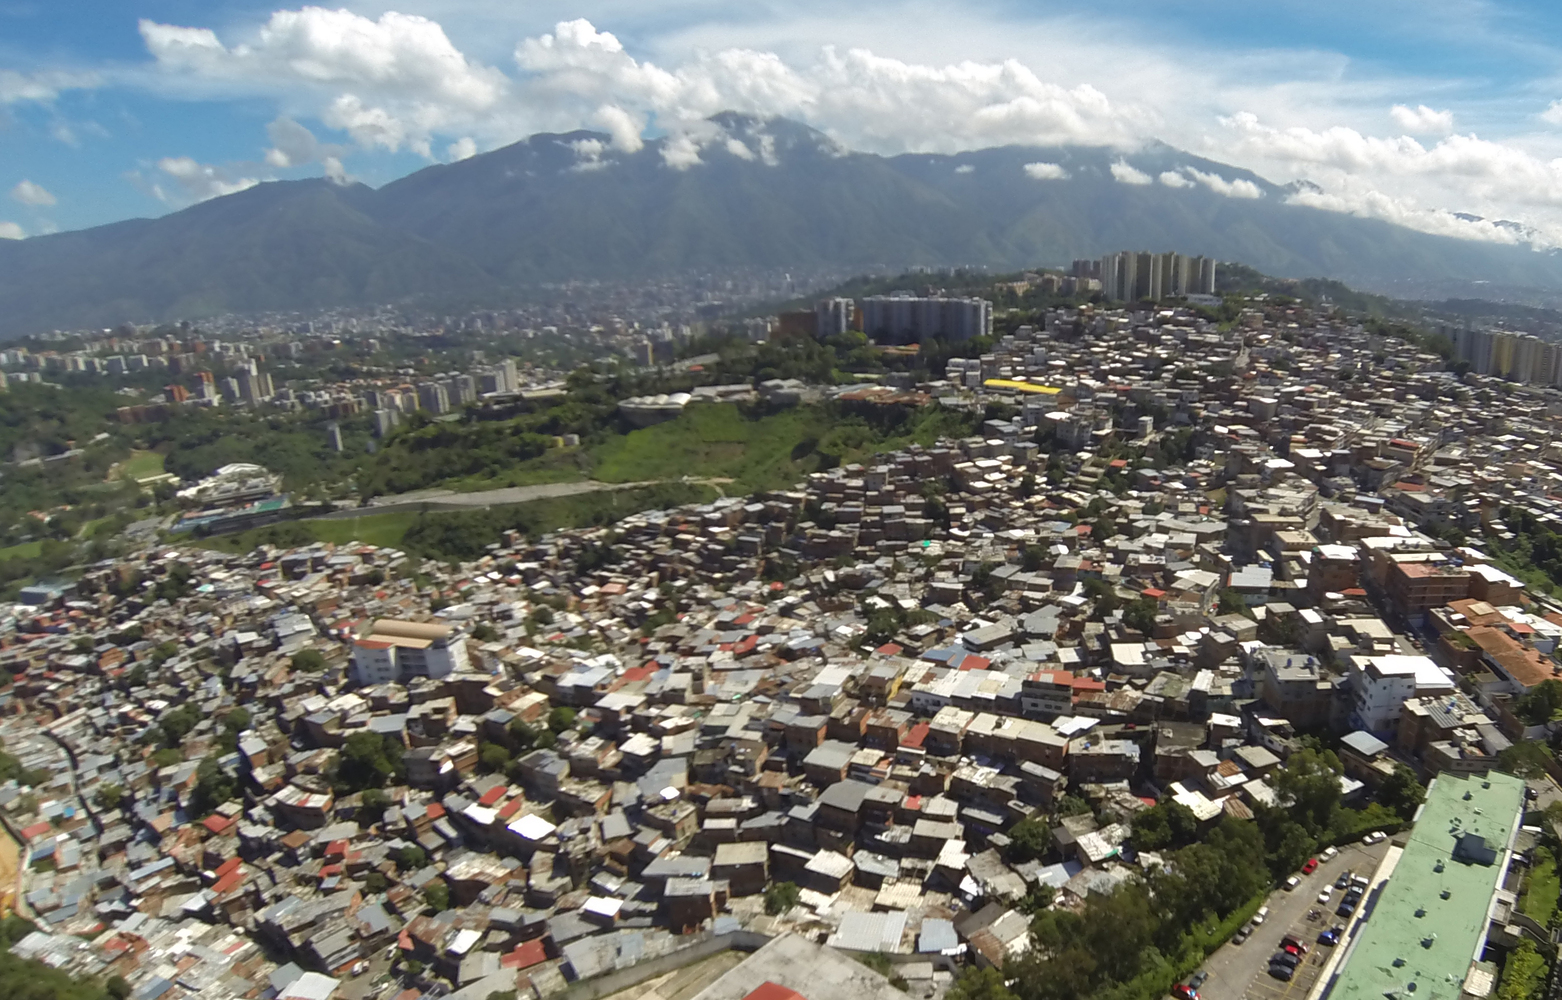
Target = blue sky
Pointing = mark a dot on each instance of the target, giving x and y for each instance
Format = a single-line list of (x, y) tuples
[(1404, 111)]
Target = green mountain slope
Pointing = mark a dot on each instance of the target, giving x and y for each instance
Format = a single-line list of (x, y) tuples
[(763, 193)]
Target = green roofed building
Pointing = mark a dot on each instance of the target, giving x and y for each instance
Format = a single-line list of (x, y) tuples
[(1430, 922)]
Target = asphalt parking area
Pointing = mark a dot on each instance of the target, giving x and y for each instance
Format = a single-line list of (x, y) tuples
[(1241, 972)]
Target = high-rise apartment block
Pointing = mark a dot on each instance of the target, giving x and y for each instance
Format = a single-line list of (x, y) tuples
[(1137, 277), (903, 318), (433, 397), (1517, 357), (835, 316)]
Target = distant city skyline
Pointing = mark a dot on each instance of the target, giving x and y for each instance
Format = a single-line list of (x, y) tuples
[(1405, 113)]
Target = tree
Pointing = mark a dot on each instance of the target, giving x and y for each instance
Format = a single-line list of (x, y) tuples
[(1309, 785), (166, 757), (372, 805), (411, 858), (213, 787), (1028, 839), (1140, 613), (1541, 703), (375, 882), (117, 987), (1229, 602), (109, 795), (309, 660), (561, 718), (367, 760), (492, 758), (437, 895), (522, 735), (781, 897), (1401, 792), (1526, 759), (1523, 973), (1167, 824)]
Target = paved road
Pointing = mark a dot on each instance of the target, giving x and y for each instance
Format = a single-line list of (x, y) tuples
[(1241, 972), (450, 500)]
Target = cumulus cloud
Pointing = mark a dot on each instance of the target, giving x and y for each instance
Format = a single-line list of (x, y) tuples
[(29, 193), (1043, 171), (1480, 168), (1422, 120), (1239, 188), (389, 83), (1374, 204), (1123, 173), (1173, 179), (190, 181), (463, 148), (623, 127), (1553, 113), (12, 231)]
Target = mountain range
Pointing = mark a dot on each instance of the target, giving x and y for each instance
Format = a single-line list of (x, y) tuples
[(744, 193)]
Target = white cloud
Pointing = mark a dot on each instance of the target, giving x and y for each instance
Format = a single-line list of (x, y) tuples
[(463, 148), (1043, 171), (1478, 169), (624, 127), (390, 83), (738, 149), (193, 182), (42, 88), (1373, 204), (1239, 188), (29, 193), (966, 168), (12, 231), (1553, 113), (1173, 179), (1422, 120), (1123, 173), (681, 151)]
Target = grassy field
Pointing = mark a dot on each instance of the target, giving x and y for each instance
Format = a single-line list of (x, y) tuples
[(26, 550), (141, 465), (773, 451), (715, 441), (1539, 899)]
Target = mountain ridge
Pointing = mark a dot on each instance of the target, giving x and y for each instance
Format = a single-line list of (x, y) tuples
[(742, 192)]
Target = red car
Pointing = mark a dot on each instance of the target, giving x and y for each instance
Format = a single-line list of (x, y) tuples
[(1182, 991), (1310, 867)]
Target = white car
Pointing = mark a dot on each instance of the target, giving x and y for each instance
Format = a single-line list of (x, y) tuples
[(1329, 853), (1261, 915), (1292, 882), (1324, 896), (1376, 836), (360, 967)]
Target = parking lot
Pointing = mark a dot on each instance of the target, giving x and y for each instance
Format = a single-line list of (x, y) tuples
[(1241, 971)]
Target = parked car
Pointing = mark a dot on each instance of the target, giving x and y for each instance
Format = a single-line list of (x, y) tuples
[(1327, 894), (360, 967), (1243, 934), (1285, 958), (1198, 979), (1261, 915), (1343, 880), (1375, 837), (1332, 935), (1292, 882), (1310, 867), (1329, 853), (1282, 972), (1291, 940), (1346, 908), (1182, 991)]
